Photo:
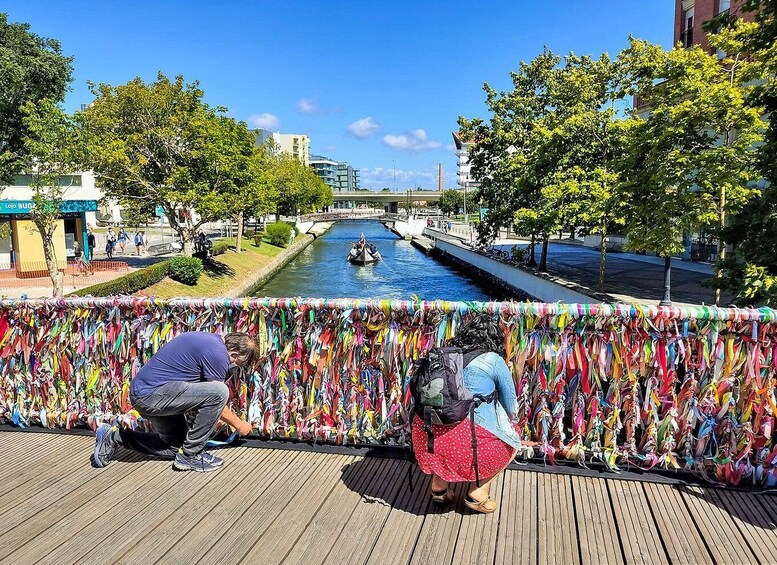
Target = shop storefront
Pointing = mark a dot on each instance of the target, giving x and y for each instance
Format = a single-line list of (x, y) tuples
[(21, 247)]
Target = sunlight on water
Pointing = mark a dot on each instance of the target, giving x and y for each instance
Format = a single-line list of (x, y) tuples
[(322, 270)]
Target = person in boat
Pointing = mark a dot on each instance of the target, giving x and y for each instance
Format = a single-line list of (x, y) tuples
[(188, 373), (452, 461)]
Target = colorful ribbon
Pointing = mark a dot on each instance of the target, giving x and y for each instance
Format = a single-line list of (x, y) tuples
[(687, 388)]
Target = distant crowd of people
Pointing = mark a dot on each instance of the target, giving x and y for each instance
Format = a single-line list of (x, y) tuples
[(113, 241)]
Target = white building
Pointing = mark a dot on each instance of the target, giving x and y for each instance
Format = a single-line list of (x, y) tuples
[(463, 175), (21, 247), (295, 144)]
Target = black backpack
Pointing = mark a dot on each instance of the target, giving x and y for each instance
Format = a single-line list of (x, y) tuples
[(440, 397)]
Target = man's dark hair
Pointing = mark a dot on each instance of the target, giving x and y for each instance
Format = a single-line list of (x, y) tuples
[(480, 333), (243, 347)]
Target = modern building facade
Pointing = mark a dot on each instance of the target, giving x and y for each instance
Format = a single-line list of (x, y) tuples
[(463, 168), (294, 144), (338, 175), (21, 247)]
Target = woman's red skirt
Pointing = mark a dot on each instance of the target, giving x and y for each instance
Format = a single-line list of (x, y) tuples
[(452, 459)]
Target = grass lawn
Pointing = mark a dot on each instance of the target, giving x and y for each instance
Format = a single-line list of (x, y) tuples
[(221, 273)]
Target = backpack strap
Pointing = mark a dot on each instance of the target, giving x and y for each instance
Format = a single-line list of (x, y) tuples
[(428, 411), (477, 400)]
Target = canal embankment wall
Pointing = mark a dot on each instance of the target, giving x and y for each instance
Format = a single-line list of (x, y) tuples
[(251, 284), (520, 282)]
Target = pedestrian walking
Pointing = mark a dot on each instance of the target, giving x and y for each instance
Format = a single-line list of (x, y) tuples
[(91, 242), (122, 239), (109, 249), (138, 243)]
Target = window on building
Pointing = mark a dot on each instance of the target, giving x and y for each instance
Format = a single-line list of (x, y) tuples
[(724, 6), (686, 36)]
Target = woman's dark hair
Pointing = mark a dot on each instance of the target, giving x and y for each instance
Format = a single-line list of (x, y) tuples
[(480, 333)]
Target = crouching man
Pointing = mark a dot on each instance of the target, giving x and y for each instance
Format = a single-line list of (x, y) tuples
[(188, 373)]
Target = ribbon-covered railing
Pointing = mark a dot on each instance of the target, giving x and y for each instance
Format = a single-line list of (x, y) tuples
[(687, 388)]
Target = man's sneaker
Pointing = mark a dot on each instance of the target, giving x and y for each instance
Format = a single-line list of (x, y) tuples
[(105, 445), (196, 463), (214, 460)]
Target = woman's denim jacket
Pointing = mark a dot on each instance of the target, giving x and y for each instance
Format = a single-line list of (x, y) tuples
[(485, 374)]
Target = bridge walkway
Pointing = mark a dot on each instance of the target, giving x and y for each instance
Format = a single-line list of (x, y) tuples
[(281, 506)]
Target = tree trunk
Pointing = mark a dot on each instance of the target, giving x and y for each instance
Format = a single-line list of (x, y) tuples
[(571, 232), (51, 260), (239, 244), (667, 299), (532, 261), (721, 242), (544, 255), (602, 261)]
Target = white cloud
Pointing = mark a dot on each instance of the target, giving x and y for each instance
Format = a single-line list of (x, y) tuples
[(330, 148), (364, 128), (309, 106), (264, 121), (450, 147), (416, 140)]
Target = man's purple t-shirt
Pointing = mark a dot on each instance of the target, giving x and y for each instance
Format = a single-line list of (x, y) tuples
[(191, 357)]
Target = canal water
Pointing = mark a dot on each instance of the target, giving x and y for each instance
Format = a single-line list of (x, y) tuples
[(322, 271)]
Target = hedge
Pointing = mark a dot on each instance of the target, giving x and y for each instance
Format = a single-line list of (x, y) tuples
[(279, 234), (186, 270), (130, 283), (221, 247)]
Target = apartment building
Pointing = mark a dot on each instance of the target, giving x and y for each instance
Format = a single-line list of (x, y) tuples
[(463, 167), (691, 15), (294, 144)]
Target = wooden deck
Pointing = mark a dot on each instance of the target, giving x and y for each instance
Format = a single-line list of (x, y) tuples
[(277, 506)]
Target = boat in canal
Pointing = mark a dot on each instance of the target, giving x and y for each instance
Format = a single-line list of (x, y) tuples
[(363, 253)]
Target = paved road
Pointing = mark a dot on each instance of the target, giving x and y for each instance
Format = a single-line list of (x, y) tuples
[(625, 277)]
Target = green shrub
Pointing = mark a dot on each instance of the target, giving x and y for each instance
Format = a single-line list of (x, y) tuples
[(258, 238), (279, 234), (186, 270), (221, 246), (128, 284)]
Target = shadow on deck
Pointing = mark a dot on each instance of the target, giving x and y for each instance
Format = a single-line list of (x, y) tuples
[(279, 506)]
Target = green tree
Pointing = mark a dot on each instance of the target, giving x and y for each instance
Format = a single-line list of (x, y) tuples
[(161, 145), (298, 188), (504, 155), (32, 68), (450, 202), (750, 271), (53, 149), (687, 168)]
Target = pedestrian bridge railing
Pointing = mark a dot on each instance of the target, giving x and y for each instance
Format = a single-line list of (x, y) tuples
[(688, 388)]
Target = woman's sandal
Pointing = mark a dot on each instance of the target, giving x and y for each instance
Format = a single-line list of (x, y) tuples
[(443, 497), (486, 506)]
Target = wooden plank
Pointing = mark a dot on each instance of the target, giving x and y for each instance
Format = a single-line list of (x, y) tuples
[(24, 446), (517, 538), (753, 523), (637, 528), (366, 521), (41, 534), (599, 542), (55, 461), (327, 522), (683, 541), (557, 531), (723, 538), (24, 521), (160, 524), (406, 517), (274, 534), (436, 541), (476, 542), (261, 495)]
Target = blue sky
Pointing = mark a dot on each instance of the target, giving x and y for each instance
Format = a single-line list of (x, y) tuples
[(377, 84)]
